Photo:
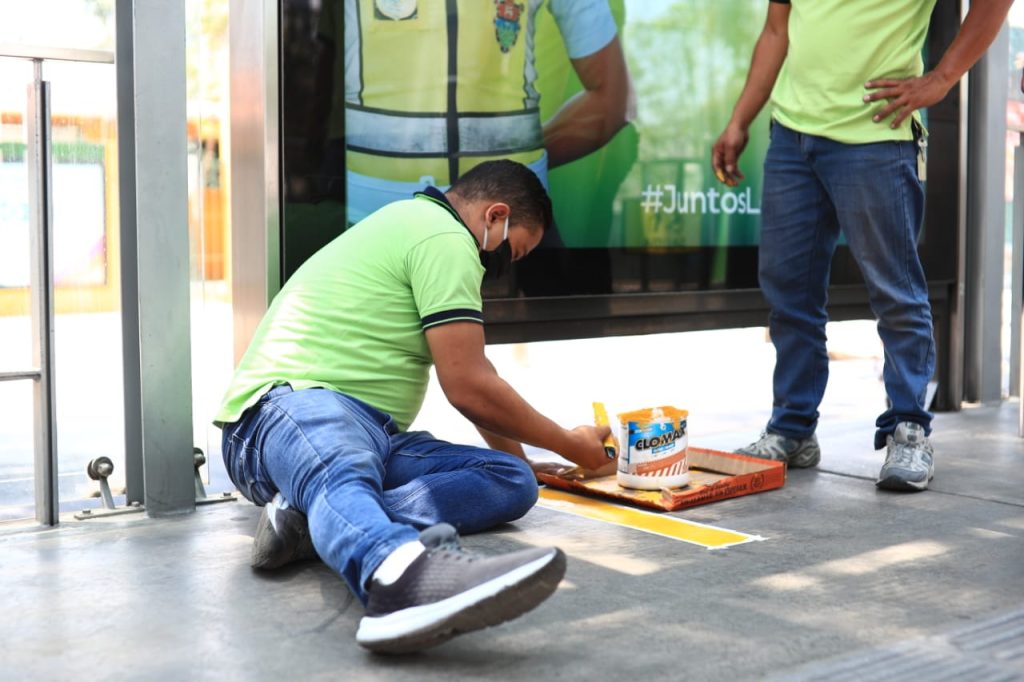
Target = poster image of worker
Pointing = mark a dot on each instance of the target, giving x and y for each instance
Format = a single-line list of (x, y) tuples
[(419, 92)]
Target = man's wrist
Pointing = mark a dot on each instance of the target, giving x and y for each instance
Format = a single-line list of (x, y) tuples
[(945, 76), (738, 125)]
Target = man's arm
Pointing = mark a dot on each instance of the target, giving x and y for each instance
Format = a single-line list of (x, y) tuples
[(514, 447), (980, 27), (474, 388), (769, 54), (503, 444), (589, 119)]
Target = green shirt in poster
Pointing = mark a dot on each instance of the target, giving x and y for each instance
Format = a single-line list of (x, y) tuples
[(352, 317), (835, 46)]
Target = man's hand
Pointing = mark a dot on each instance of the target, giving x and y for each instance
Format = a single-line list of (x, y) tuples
[(726, 152), (550, 468), (979, 29), (581, 474), (585, 446), (906, 96)]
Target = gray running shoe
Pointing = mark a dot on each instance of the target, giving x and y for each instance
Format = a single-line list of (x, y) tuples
[(796, 453), (447, 591), (909, 459), (282, 536)]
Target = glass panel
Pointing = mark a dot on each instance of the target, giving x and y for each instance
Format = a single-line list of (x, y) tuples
[(209, 216), (15, 322), (82, 24), (1015, 126), (88, 355), (17, 487), (17, 492)]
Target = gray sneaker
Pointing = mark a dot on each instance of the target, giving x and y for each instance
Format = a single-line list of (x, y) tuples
[(909, 459), (447, 591), (796, 453), (282, 536)]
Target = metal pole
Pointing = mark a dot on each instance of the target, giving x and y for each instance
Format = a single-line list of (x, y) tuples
[(135, 487), (42, 288), (1017, 282), (255, 163), (986, 224), (1016, 269), (151, 74)]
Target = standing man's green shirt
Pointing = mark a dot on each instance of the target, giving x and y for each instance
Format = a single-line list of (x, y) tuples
[(832, 44)]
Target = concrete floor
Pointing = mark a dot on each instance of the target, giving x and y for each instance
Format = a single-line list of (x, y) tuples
[(849, 583)]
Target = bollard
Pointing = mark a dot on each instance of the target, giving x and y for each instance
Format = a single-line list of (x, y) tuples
[(98, 470), (198, 460)]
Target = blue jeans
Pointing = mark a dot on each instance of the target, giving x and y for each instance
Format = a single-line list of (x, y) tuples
[(813, 188), (366, 487)]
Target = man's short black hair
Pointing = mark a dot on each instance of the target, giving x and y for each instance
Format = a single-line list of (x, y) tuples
[(512, 183)]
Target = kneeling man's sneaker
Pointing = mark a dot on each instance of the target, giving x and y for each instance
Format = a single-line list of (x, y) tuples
[(909, 459), (797, 453), (282, 536), (446, 591)]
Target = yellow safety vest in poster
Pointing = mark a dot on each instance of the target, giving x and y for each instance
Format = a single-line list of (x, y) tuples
[(434, 87)]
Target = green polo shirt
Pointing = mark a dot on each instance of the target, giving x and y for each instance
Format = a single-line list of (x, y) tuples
[(352, 317), (835, 46)]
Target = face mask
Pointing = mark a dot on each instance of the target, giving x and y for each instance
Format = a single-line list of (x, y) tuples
[(496, 263)]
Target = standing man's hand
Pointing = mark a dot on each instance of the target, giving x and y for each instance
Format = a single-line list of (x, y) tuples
[(979, 29), (725, 154), (769, 54), (906, 96)]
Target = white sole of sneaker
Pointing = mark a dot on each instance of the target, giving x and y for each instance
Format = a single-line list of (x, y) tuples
[(496, 601), (901, 485)]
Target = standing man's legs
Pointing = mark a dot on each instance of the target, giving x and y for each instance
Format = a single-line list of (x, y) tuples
[(798, 237), (880, 204)]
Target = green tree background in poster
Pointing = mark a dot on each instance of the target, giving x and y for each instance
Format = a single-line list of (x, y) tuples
[(688, 61)]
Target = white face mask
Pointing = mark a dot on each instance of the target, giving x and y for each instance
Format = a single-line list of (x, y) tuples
[(504, 236)]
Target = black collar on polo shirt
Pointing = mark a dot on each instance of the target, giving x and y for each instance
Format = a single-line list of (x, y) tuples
[(437, 196)]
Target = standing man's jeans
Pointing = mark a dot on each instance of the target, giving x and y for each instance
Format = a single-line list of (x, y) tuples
[(813, 187), (365, 487)]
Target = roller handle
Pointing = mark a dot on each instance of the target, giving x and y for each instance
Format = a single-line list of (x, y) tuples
[(601, 419)]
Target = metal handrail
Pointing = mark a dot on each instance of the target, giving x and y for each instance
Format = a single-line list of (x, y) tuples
[(20, 375), (65, 54)]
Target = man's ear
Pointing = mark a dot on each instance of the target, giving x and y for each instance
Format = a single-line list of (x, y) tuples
[(497, 212)]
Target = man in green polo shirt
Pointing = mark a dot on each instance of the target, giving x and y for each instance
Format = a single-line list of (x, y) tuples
[(846, 80), (315, 419)]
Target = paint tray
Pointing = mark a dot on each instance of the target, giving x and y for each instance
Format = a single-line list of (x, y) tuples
[(714, 476)]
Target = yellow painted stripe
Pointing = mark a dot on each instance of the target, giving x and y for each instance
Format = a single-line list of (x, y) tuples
[(664, 525)]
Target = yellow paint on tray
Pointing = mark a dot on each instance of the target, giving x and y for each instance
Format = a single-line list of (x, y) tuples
[(664, 525)]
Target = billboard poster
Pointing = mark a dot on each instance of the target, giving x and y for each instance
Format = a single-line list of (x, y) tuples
[(615, 104)]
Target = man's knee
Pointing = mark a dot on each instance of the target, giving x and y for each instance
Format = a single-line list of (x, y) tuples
[(520, 489)]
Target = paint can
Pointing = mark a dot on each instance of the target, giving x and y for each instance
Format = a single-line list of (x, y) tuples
[(653, 448)]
